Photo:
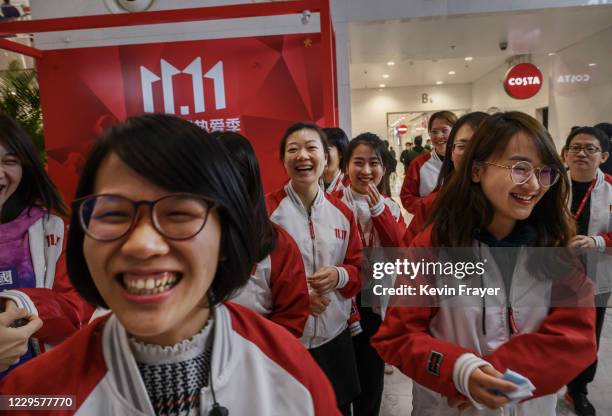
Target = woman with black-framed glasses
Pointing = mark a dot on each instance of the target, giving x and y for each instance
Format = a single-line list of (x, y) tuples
[(506, 193), (161, 234)]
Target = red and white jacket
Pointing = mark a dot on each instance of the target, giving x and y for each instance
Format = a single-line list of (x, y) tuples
[(417, 223), (420, 180), (326, 236), (436, 346), (277, 288), (55, 301), (257, 368), (340, 182)]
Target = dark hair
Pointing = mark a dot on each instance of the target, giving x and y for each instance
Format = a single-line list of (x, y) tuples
[(606, 128), (244, 157), (447, 116), (462, 209), (606, 167), (35, 187), (378, 146), (604, 141), (177, 156), (303, 126), (337, 137), (448, 167), (418, 141)]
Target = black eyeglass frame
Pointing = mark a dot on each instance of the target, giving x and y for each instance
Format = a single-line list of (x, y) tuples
[(583, 148), (78, 204)]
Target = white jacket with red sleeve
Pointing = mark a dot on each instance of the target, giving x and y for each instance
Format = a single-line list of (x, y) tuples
[(326, 236), (277, 288), (420, 180), (257, 368), (431, 344), (62, 310)]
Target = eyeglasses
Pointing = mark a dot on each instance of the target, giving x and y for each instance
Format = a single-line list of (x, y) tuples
[(588, 149), (522, 171), (109, 217), (440, 133)]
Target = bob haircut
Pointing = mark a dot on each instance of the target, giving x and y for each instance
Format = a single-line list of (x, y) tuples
[(337, 137), (597, 133), (35, 187), (303, 126), (448, 116), (471, 119), (177, 156), (462, 209), (244, 157), (376, 144)]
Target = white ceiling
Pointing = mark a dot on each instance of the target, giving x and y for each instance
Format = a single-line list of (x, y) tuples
[(426, 49)]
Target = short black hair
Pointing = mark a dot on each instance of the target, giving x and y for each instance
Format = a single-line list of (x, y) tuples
[(337, 137), (602, 138), (245, 159), (606, 128), (418, 141), (302, 126), (177, 156), (35, 187)]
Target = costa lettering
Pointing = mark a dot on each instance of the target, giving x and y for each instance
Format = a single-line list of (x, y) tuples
[(523, 81), (572, 79)]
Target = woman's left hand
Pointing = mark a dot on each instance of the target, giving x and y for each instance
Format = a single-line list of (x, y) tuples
[(582, 241), (324, 279), (374, 197)]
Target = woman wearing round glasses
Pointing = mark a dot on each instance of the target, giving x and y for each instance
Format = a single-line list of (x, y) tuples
[(423, 171), (587, 150), (161, 233), (508, 192)]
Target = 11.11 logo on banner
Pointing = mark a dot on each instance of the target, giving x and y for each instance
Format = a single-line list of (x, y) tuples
[(168, 71)]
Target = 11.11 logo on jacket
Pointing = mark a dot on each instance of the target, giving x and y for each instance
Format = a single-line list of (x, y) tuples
[(168, 72)]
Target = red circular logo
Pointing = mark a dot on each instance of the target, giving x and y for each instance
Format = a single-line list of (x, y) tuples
[(523, 81), (402, 129)]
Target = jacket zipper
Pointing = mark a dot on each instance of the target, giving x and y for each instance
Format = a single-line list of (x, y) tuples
[(314, 269)]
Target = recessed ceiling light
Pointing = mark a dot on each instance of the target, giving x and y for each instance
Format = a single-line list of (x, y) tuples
[(382, 85), (439, 82), (551, 53), (385, 75), (451, 72), (390, 63), (469, 58), (592, 64)]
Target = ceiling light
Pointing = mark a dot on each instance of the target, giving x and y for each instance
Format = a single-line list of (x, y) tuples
[(439, 82), (390, 63), (592, 64), (469, 58), (551, 53), (382, 85), (451, 72), (385, 75)]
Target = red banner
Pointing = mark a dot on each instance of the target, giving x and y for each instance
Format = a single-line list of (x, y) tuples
[(255, 86)]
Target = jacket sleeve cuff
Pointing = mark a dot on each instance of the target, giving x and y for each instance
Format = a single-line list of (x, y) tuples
[(462, 370), (378, 209), (600, 243), (21, 300), (342, 277)]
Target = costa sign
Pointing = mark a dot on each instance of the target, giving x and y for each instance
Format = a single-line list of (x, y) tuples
[(523, 81)]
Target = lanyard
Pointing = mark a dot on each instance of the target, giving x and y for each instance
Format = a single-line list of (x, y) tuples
[(584, 199)]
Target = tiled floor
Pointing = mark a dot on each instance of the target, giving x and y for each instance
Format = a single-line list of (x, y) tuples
[(397, 398)]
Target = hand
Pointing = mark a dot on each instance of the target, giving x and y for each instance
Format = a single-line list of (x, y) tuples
[(582, 241), (484, 379), (460, 404), (324, 279), (14, 341), (318, 304), (374, 196)]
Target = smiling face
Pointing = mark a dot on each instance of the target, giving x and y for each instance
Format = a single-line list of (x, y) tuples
[(510, 202), (304, 157), (440, 129), (583, 165), (11, 173), (155, 286), (462, 138), (365, 167)]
